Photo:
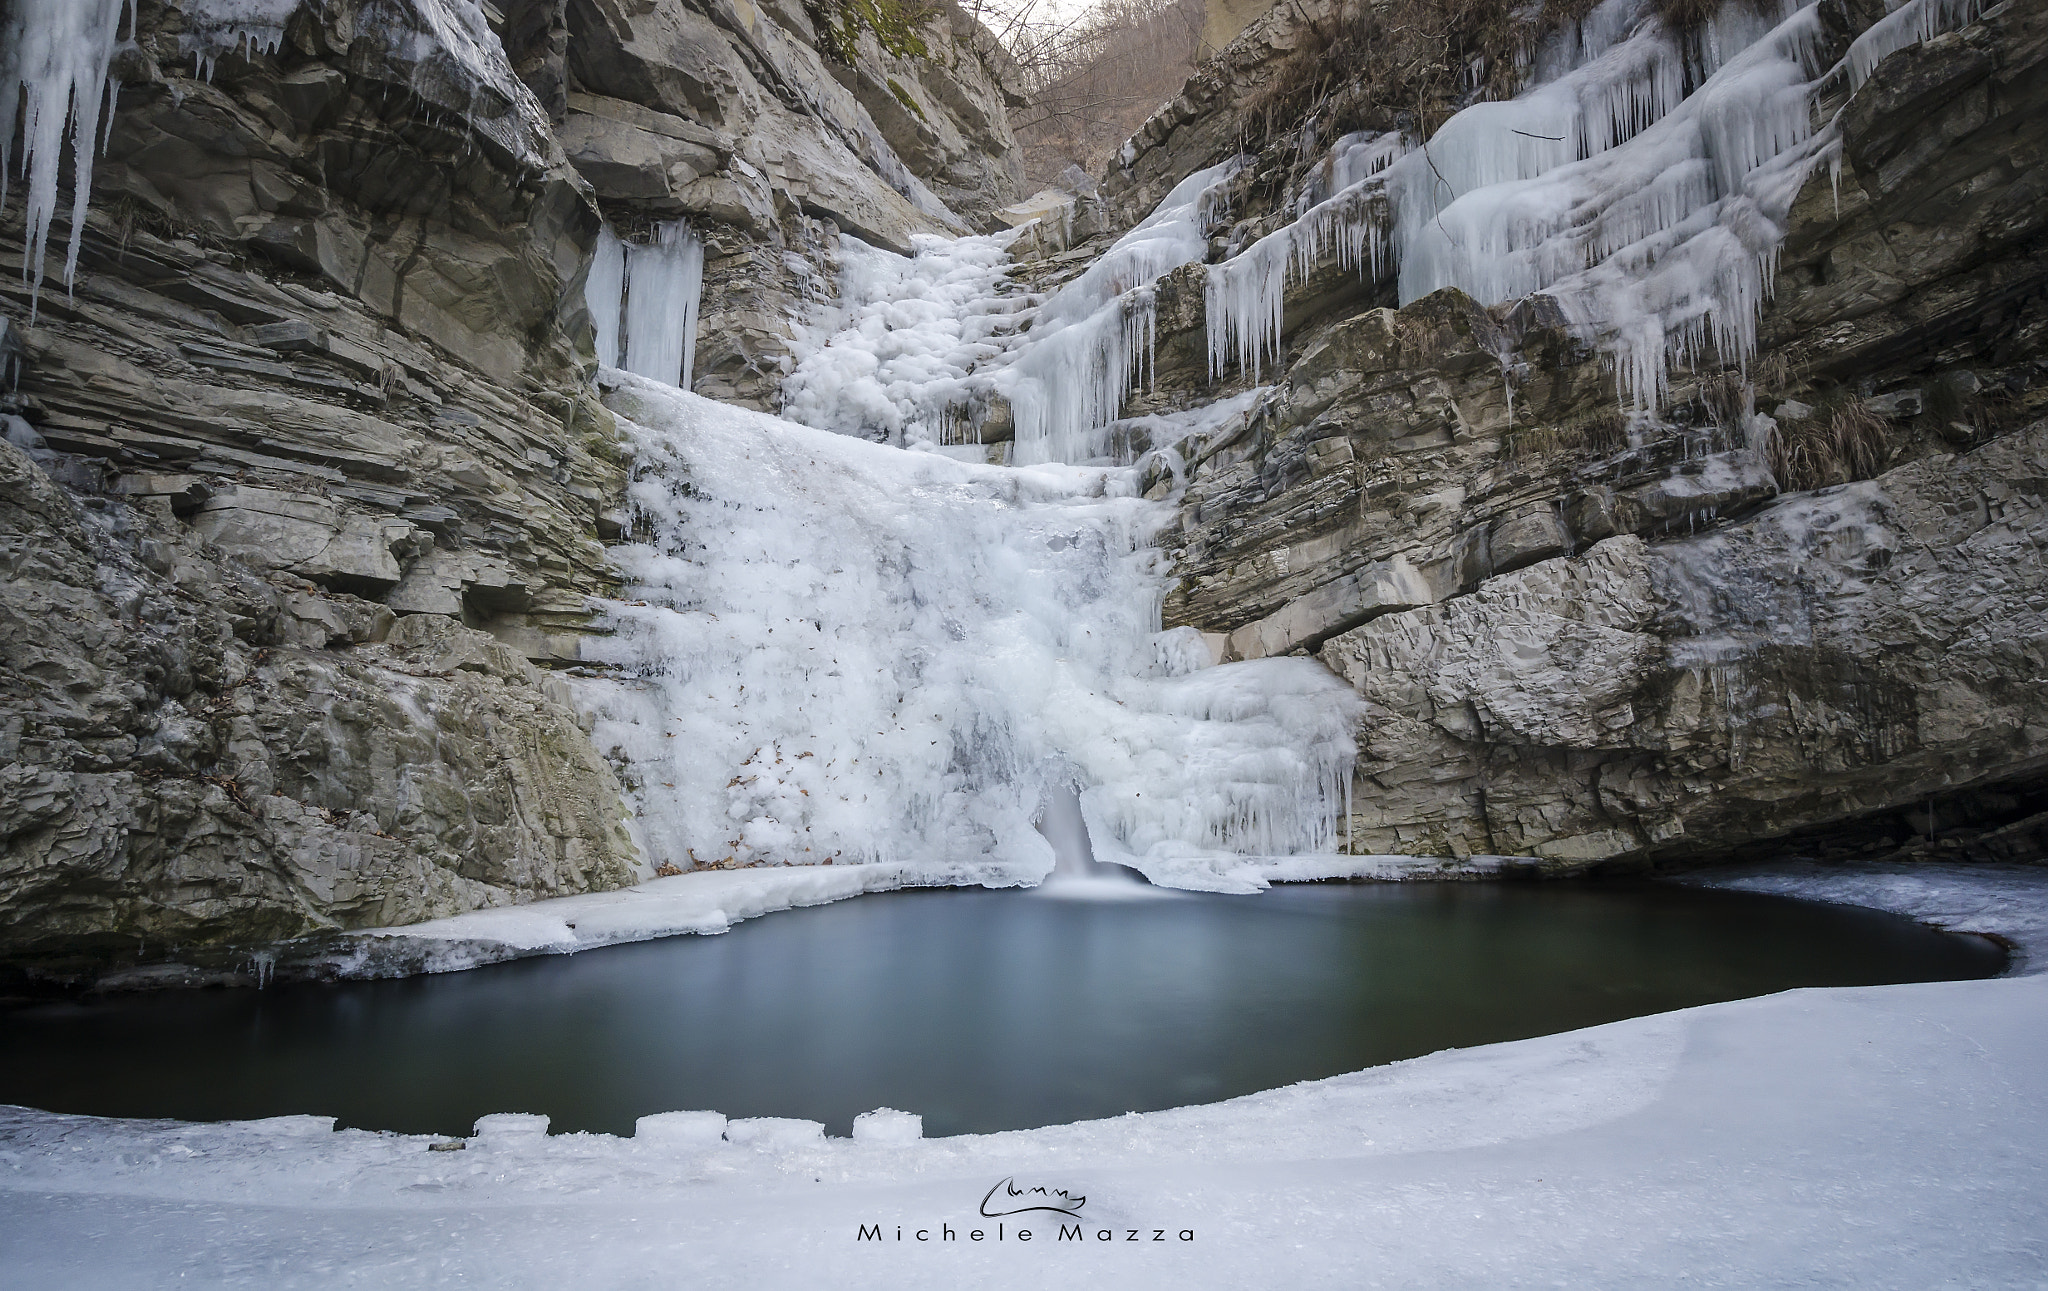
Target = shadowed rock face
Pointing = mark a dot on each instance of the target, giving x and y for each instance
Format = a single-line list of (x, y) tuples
[(306, 476)]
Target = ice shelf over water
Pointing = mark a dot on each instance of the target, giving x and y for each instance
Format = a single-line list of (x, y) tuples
[(852, 653)]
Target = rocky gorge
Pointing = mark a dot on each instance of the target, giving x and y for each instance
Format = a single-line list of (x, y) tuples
[(308, 488)]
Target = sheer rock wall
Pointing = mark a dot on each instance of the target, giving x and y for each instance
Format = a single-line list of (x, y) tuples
[(305, 485), (1589, 644)]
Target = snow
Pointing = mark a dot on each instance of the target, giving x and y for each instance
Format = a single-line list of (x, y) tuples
[(2005, 901), (1879, 1136), (900, 357), (836, 651)]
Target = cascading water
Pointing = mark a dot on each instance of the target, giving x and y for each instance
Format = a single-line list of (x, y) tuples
[(1076, 874), (922, 344), (850, 653)]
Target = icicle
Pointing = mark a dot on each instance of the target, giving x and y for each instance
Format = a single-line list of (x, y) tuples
[(643, 302), (664, 281), (1652, 218), (218, 27), (53, 73), (604, 291), (1909, 24)]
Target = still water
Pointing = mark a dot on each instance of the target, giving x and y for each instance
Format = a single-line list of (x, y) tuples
[(982, 1010)]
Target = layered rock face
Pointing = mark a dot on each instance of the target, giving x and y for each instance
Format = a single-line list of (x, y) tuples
[(306, 486), (1585, 639), (742, 120)]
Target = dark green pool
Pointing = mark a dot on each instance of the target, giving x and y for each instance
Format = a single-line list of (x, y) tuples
[(981, 1010)]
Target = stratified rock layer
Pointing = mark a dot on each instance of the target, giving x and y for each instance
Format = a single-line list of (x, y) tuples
[(1586, 641), (306, 476)]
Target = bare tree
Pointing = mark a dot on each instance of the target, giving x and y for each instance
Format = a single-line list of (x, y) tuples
[(1094, 76)]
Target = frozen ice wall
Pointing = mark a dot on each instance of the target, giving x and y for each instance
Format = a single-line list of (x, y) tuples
[(849, 652), (1642, 180), (643, 301), (923, 344)]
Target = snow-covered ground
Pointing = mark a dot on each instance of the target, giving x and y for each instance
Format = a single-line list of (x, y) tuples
[(1871, 1137)]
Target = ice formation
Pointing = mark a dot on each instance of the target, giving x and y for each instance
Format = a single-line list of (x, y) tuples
[(55, 55), (1091, 341), (1650, 210), (217, 27), (53, 74), (643, 302), (923, 345), (907, 355), (852, 653)]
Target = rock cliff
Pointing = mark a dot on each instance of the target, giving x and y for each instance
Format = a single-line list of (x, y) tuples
[(306, 487), (1802, 602)]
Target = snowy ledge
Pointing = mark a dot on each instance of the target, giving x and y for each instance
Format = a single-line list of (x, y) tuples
[(712, 901), (1885, 1136)]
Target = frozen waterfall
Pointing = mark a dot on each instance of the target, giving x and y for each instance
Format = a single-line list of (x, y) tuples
[(836, 651), (921, 345)]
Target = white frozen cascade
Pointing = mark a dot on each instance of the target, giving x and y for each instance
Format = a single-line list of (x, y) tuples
[(1649, 209), (643, 302), (921, 345), (848, 652)]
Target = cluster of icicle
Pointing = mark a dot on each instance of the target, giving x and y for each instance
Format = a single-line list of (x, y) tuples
[(846, 652), (921, 343), (54, 84), (54, 56), (214, 28), (1643, 181), (643, 301)]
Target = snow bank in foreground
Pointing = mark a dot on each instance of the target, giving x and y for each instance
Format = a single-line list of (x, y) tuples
[(1871, 1137)]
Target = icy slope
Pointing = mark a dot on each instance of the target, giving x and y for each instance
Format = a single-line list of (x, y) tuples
[(846, 652), (921, 345)]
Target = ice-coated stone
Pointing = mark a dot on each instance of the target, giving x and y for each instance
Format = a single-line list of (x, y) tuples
[(681, 1129), (887, 1127), (775, 1133)]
